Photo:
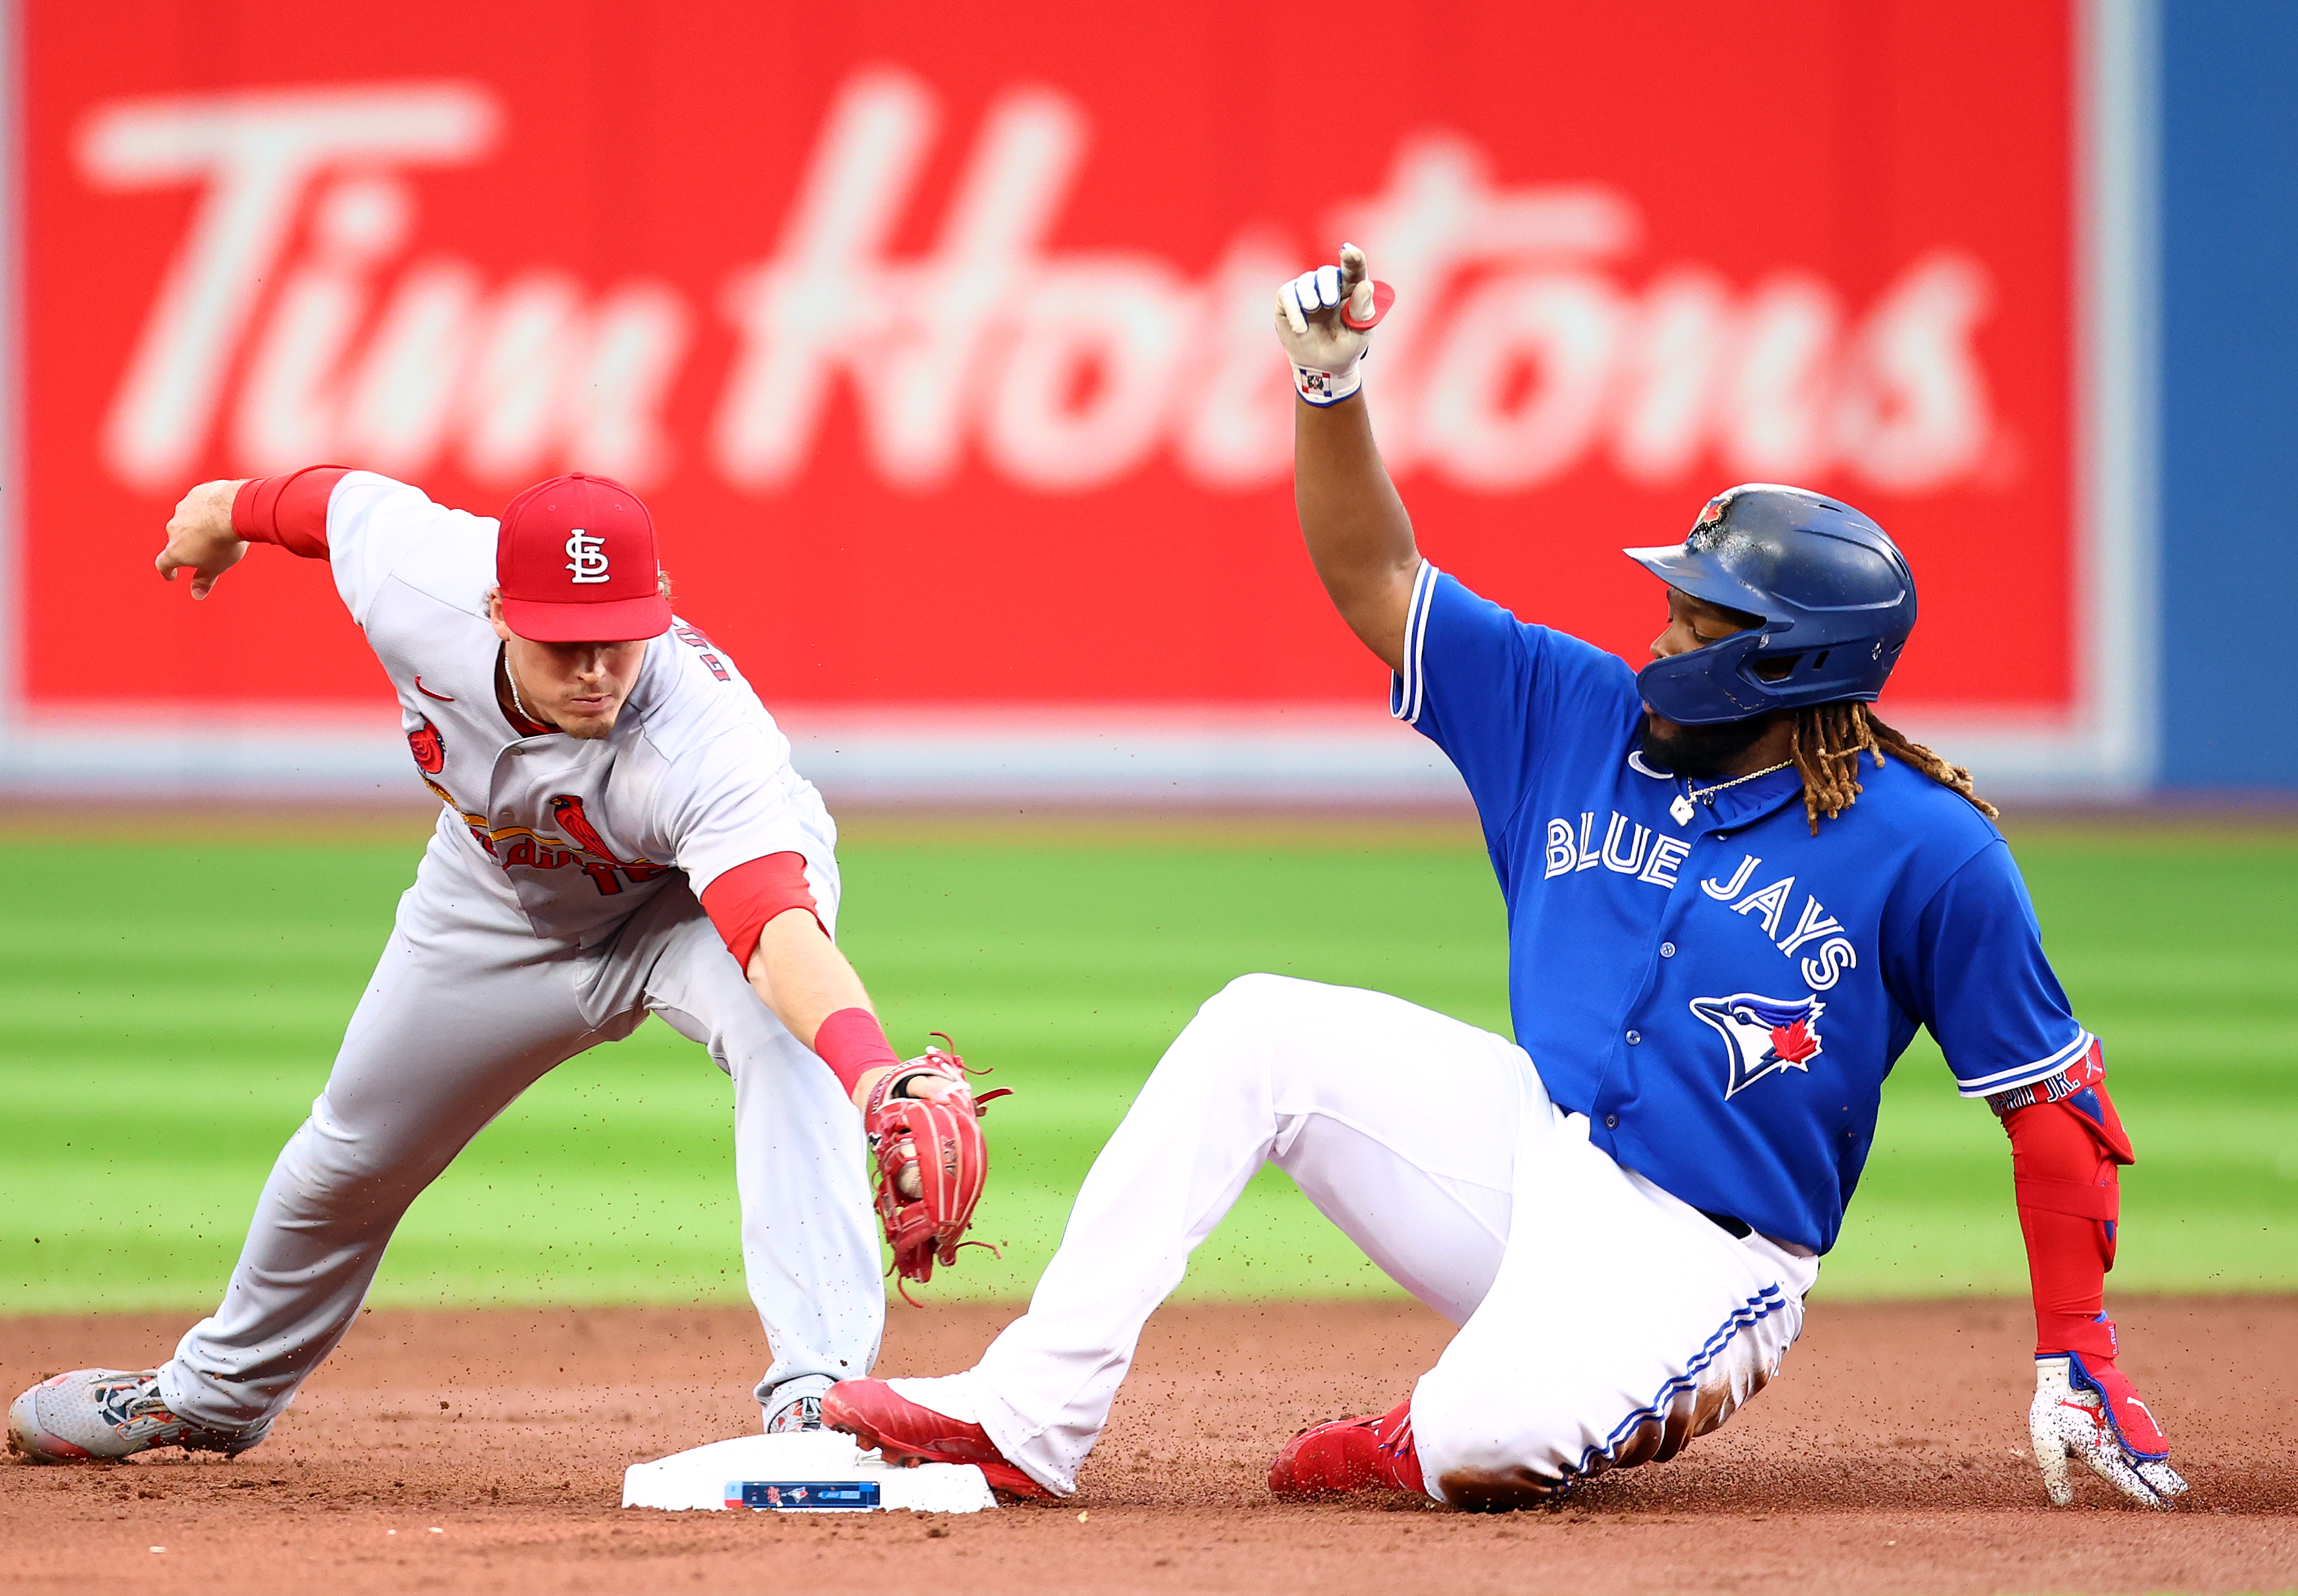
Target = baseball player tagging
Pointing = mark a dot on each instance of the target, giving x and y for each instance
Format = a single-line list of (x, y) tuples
[(1733, 896), (621, 834)]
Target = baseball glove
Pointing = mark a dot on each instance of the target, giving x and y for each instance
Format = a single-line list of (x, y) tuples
[(932, 1163)]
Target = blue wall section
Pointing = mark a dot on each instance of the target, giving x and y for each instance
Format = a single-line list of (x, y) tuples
[(2229, 386)]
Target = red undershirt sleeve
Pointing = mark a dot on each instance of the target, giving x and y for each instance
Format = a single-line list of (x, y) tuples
[(2067, 1252), (2065, 1159), (289, 511), (742, 900)]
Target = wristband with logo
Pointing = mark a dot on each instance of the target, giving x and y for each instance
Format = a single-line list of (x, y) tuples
[(1323, 388)]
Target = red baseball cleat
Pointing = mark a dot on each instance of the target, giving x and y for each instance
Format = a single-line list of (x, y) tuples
[(876, 1415), (1350, 1454)]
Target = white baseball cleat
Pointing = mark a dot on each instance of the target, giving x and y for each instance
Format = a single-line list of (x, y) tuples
[(102, 1414)]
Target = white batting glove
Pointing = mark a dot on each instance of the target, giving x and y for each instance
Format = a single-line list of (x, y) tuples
[(1325, 319), (2097, 1416)]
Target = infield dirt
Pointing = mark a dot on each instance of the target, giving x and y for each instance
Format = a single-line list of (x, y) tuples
[(484, 1451)]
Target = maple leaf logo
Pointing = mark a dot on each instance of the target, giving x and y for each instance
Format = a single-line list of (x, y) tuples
[(1793, 1044)]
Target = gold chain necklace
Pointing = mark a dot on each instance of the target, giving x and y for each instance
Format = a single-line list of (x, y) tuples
[(1684, 808)]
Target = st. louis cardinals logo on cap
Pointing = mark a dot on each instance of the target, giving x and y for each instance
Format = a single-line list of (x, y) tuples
[(1763, 1034), (586, 556), (574, 558)]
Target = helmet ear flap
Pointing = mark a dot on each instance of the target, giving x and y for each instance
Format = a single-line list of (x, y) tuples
[(1708, 686)]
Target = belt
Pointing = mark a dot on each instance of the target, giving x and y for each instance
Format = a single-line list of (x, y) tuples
[(1738, 1228)]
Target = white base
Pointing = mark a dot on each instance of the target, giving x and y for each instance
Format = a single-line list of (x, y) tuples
[(752, 1471)]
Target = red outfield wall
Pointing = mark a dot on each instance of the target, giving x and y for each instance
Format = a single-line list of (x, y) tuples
[(937, 338)]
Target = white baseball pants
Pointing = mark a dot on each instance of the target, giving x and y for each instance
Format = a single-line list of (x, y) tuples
[(1602, 1321), (467, 1009)]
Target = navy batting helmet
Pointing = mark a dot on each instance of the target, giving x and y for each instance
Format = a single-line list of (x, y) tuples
[(1835, 596)]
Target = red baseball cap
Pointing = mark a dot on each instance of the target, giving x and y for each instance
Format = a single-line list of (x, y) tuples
[(576, 561)]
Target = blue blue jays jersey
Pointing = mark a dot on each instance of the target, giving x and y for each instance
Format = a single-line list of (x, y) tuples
[(1723, 996)]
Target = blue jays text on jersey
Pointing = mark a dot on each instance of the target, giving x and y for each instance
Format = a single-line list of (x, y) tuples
[(1722, 997)]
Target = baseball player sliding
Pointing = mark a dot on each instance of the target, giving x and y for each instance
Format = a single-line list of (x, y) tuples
[(622, 834), (1733, 894)]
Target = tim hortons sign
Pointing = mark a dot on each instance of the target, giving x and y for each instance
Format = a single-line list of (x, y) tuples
[(952, 380)]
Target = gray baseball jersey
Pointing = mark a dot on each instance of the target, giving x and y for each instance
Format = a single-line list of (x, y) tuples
[(556, 906), (694, 777)]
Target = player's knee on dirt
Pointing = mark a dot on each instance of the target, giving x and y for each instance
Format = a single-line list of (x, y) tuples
[(1491, 1450), (1497, 1490), (1482, 1450)]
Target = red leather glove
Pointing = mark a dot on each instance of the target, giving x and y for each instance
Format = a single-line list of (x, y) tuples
[(933, 1162)]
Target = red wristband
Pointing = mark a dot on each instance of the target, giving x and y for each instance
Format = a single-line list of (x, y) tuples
[(852, 1043), (290, 510)]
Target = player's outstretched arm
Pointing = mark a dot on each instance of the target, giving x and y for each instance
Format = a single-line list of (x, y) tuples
[(805, 979), (200, 537), (2067, 1146), (917, 1115), (1359, 536)]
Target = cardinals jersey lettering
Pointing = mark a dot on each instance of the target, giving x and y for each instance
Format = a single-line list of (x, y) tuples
[(695, 778), (1722, 997)]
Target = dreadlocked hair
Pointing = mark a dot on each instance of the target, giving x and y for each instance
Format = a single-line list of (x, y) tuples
[(1826, 740)]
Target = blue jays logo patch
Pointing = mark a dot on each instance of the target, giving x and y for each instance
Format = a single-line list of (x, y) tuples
[(1764, 1035)]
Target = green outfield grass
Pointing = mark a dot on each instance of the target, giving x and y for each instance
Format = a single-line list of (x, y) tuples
[(172, 1008)]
